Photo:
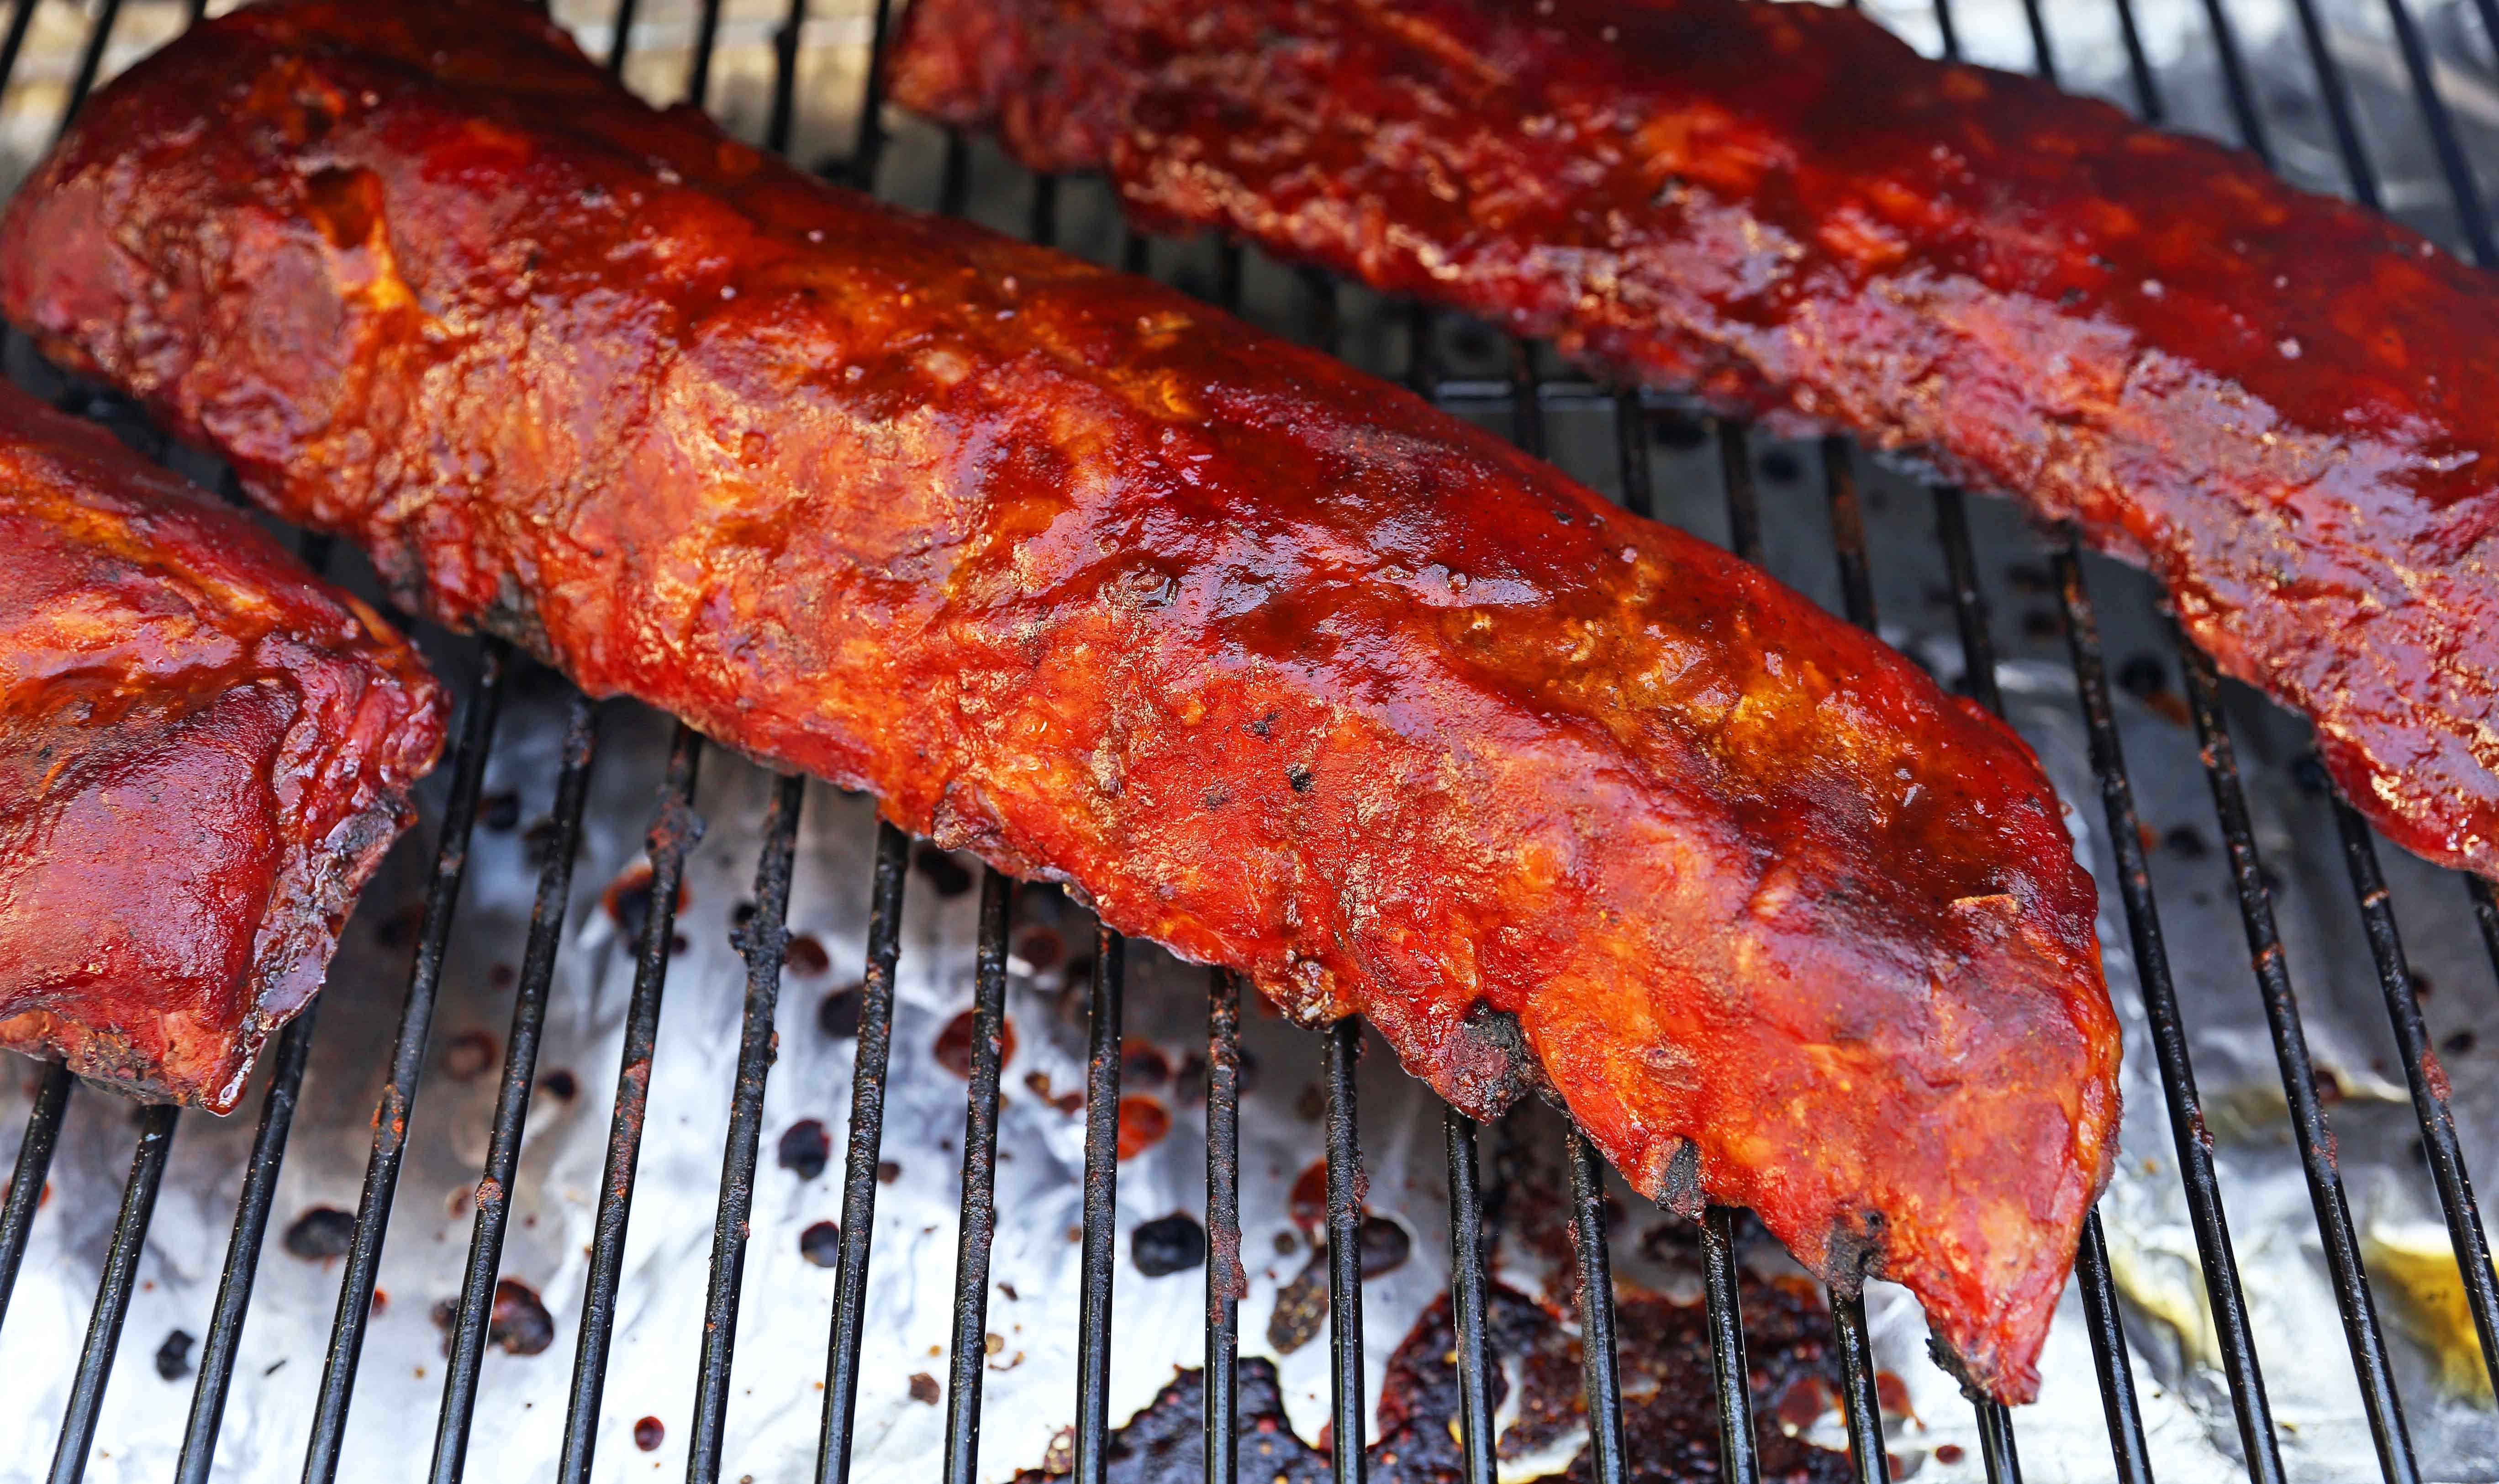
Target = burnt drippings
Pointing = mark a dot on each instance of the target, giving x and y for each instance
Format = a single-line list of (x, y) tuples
[(322, 1232), (804, 955), (518, 1323), (174, 1356), (1670, 1417), (837, 1015), (1143, 1123), (1168, 1245), (1165, 1443), (805, 1148), (1300, 1307)]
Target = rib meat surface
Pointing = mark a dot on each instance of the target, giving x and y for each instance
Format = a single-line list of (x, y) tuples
[(2280, 404), (203, 751), (1274, 664)]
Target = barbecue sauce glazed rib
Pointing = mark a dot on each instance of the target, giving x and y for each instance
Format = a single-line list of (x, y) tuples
[(1274, 664), (2282, 405), (203, 751)]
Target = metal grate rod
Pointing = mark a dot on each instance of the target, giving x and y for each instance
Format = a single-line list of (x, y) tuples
[(976, 1220), (2193, 1143), (2428, 1083), (34, 1167), (1739, 1456), (242, 1250), (494, 1194), (99, 35), (2309, 1123), (407, 1068), (673, 832), (1226, 1281), (113, 1292), (869, 1058), (707, 41), (1343, 1048), (1600, 1364), (1470, 1297), (2338, 106), (1101, 1209), (762, 942)]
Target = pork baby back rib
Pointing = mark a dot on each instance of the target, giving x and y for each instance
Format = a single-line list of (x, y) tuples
[(203, 751), (2283, 406), (1274, 664)]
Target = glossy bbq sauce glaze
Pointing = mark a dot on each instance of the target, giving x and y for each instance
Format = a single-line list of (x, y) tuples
[(2279, 403), (203, 751), (1272, 663)]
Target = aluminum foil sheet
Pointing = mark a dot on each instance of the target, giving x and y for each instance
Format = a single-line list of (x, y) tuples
[(777, 1397)]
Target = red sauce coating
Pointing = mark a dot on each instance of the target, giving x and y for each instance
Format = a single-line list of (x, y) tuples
[(2279, 403), (203, 751), (1276, 664)]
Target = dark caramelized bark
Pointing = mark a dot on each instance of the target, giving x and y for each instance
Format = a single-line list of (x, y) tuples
[(2279, 403), (203, 751), (1277, 665)]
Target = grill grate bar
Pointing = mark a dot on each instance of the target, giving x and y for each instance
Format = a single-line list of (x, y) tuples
[(673, 832), (407, 1068), (113, 1292), (785, 80), (2308, 1119), (707, 41), (1468, 1297), (1864, 1409), (1226, 1281), (2034, 16), (469, 1330), (869, 1056), (977, 1221), (762, 942), (620, 36), (34, 1166), (2249, 1405), (2428, 1083), (2356, 167), (870, 145), (2234, 82), (20, 18), (1101, 1207), (99, 34), (1343, 1048), (242, 1250), (1739, 1456), (1598, 1362)]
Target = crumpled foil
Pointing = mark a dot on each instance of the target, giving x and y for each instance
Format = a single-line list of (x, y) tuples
[(776, 1400)]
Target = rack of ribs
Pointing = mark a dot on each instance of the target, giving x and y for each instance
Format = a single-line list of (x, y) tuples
[(1268, 661), (2280, 404), (203, 751)]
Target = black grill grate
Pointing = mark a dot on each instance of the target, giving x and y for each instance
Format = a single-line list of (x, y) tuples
[(1525, 395)]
